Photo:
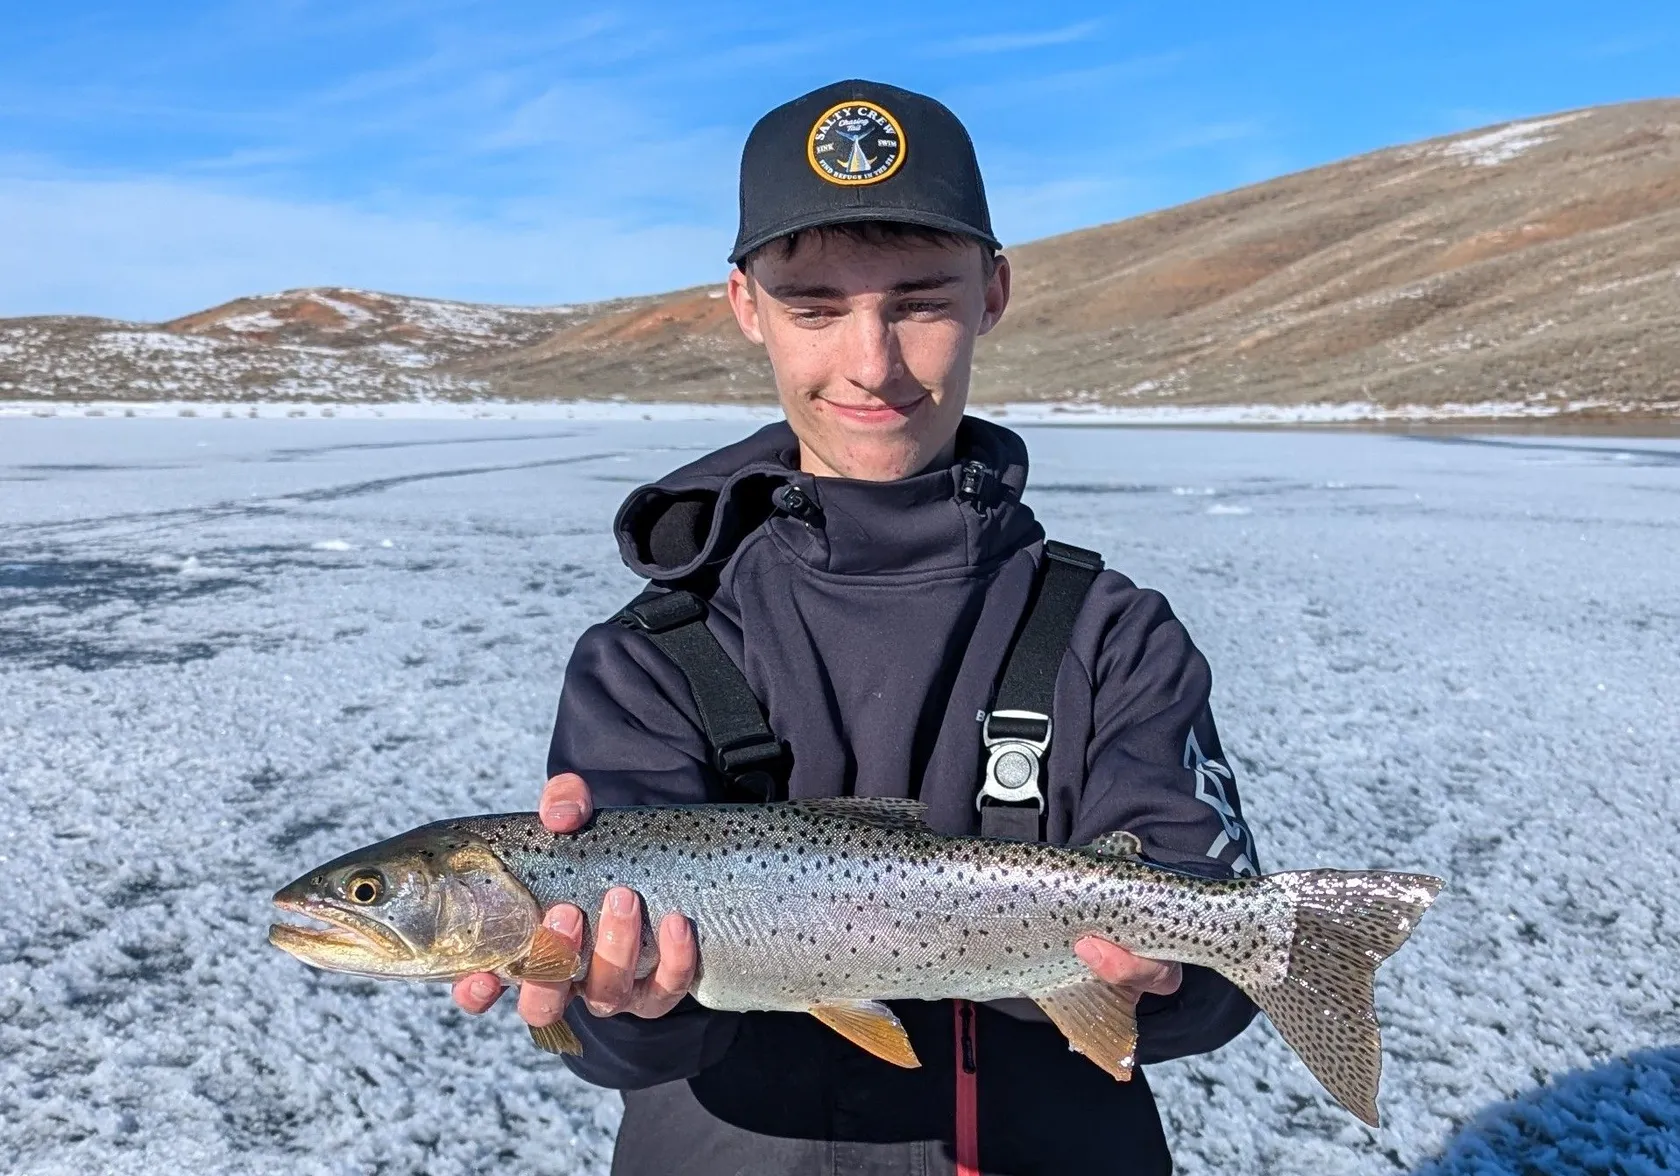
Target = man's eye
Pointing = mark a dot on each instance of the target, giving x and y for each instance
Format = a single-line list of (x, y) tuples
[(811, 315)]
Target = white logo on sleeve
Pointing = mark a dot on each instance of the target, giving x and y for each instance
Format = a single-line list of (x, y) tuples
[(1211, 777)]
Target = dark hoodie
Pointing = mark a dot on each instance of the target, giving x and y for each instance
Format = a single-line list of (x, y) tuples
[(871, 619)]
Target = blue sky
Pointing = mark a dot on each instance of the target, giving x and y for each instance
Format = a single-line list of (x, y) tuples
[(157, 158)]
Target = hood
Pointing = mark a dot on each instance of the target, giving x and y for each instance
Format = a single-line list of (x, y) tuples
[(965, 514)]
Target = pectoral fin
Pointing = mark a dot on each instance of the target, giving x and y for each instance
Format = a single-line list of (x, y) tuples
[(1098, 1020), (552, 959), (557, 1038), (870, 1025)]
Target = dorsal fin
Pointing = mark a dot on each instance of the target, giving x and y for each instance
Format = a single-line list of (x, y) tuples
[(1119, 844), (884, 812)]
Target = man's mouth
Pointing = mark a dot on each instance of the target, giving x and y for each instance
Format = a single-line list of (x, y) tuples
[(875, 411)]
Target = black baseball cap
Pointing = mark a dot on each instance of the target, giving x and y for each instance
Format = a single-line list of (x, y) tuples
[(859, 151)]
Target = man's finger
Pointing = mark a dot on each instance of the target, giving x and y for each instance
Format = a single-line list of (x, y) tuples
[(1166, 979), (565, 806), (543, 1002), (618, 942), (672, 976), (1115, 965), (476, 992)]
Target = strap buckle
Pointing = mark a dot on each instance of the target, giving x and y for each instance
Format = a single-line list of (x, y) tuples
[(1015, 743), (753, 752), (1079, 557), (661, 612)]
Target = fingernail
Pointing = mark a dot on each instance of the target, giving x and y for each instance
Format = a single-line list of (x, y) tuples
[(620, 901), (567, 921), (565, 813), (681, 932), (1089, 953), (484, 989)]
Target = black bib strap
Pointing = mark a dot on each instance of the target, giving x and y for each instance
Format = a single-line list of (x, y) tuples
[(1016, 732), (1011, 822), (743, 748)]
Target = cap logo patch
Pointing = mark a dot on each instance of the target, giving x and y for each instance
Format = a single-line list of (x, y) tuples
[(855, 143)]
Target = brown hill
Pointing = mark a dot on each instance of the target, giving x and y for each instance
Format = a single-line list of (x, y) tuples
[(323, 344), (1538, 261)]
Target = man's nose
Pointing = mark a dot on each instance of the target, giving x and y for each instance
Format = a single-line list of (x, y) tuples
[(873, 355)]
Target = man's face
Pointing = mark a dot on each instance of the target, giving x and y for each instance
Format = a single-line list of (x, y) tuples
[(871, 345)]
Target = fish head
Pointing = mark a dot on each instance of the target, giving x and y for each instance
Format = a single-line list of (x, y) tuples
[(432, 904)]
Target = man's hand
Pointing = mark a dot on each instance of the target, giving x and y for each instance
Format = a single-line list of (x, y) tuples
[(1132, 973), (611, 985)]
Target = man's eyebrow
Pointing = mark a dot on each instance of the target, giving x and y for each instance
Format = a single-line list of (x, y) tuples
[(792, 292), (931, 282)]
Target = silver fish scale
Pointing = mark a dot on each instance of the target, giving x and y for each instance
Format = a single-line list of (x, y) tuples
[(805, 902)]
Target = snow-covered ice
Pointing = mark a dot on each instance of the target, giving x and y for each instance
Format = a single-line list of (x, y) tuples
[(230, 649)]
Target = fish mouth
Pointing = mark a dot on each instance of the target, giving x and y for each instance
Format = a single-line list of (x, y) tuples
[(346, 939)]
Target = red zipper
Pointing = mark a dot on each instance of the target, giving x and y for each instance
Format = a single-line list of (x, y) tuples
[(968, 1081)]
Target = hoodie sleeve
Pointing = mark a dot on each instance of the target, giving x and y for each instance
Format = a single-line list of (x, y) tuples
[(1156, 769), (626, 724)]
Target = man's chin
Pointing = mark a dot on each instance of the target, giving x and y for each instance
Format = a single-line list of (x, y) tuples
[(879, 459)]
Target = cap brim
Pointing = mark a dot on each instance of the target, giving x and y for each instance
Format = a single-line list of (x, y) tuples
[(856, 215)]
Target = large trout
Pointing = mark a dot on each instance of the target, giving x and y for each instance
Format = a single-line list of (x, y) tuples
[(833, 906)]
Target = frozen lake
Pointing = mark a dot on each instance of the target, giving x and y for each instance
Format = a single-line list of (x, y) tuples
[(230, 649)]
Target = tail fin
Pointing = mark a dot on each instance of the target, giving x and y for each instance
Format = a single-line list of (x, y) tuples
[(1345, 925)]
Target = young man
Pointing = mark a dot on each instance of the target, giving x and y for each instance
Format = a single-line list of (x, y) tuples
[(867, 565)]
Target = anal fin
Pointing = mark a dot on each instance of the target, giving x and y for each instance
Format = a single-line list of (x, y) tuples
[(1098, 1020), (869, 1025), (551, 959), (557, 1038)]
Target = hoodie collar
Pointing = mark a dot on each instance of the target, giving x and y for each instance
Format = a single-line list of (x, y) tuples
[(963, 515)]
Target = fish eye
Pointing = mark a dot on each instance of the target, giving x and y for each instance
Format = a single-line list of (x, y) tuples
[(365, 889)]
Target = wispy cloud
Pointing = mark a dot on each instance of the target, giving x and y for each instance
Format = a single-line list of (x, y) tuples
[(1027, 211), (246, 159), (1091, 84), (1015, 42), (152, 248), (165, 156), (1627, 46)]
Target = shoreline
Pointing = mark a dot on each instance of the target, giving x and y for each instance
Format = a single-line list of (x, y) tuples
[(1595, 419)]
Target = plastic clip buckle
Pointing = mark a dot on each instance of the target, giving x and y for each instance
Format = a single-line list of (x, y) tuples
[(1014, 760)]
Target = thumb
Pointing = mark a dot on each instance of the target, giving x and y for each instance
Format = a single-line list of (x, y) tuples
[(566, 805)]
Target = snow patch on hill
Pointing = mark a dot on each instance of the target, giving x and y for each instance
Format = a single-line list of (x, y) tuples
[(1492, 148)]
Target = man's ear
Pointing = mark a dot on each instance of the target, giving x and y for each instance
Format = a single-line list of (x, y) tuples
[(997, 294), (743, 300)]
